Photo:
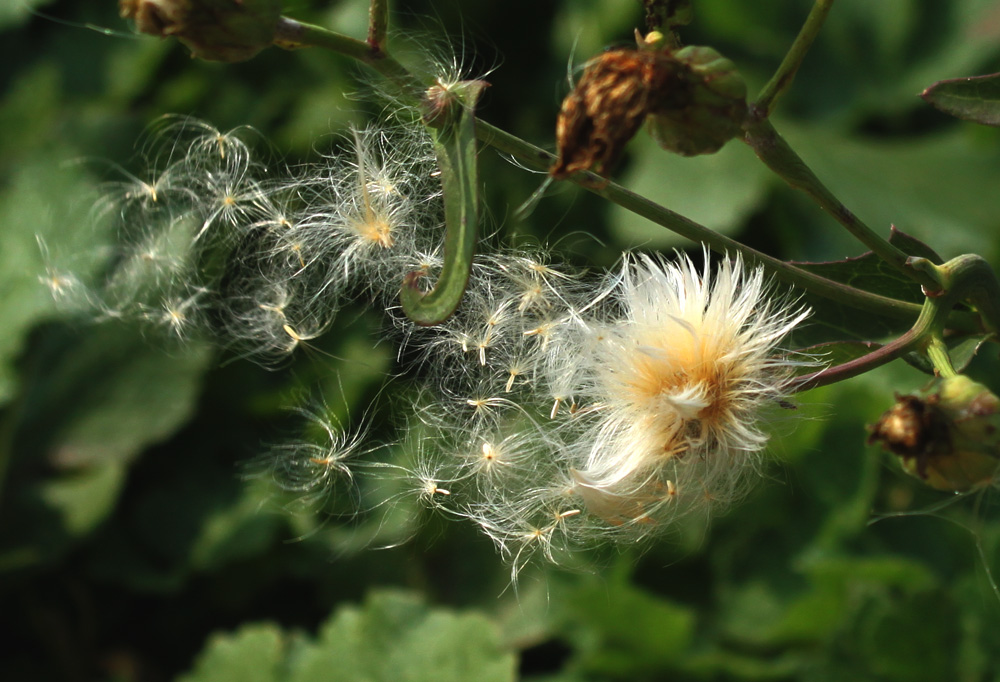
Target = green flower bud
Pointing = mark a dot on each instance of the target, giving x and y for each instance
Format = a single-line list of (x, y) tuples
[(949, 437), (442, 103), (704, 109), (217, 30)]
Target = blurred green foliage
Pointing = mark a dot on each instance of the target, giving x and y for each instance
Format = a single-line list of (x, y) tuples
[(133, 548)]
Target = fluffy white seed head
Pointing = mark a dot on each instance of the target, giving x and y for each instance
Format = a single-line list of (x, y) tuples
[(673, 383)]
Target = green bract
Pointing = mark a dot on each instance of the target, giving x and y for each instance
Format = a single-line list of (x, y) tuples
[(713, 107)]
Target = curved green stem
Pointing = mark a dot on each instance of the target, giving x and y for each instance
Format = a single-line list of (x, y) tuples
[(967, 278), (455, 147), (916, 337), (973, 278), (907, 343), (783, 77), (292, 35)]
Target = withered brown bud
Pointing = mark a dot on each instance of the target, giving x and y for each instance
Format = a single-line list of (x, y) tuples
[(911, 429), (694, 100), (606, 108), (949, 437), (217, 30)]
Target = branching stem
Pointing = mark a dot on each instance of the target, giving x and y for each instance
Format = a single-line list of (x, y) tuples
[(776, 153), (965, 279), (293, 34), (539, 159)]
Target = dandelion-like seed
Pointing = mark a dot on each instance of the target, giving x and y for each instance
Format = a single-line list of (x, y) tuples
[(314, 469), (495, 458), (376, 202), (177, 313), (233, 200)]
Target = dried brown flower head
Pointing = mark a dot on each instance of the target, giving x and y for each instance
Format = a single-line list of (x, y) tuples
[(947, 437), (693, 98), (611, 100)]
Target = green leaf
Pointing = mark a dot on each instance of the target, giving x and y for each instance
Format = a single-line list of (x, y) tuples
[(940, 189), (975, 99), (110, 396), (35, 204), (832, 323), (871, 273), (622, 630), (717, 190), (890, 647), (772, 611), (254, 653), (199, 518), (395, 637), (84, 498), (88, 410)]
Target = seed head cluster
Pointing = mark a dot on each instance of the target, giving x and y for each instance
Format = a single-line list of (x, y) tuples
[(557, 408), (214, 235), (577, 410)]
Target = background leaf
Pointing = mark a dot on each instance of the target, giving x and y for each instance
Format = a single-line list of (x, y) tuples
[(394, 636), (716, 190), (975, 99), (18, 11), (253, 653)]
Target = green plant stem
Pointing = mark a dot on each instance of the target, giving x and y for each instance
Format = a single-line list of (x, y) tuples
[(378, 25), (776, 153), (455, 147), (967, 278), (937, 353), (293, 35), (771, 148), (539, 159), (783, 77)]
